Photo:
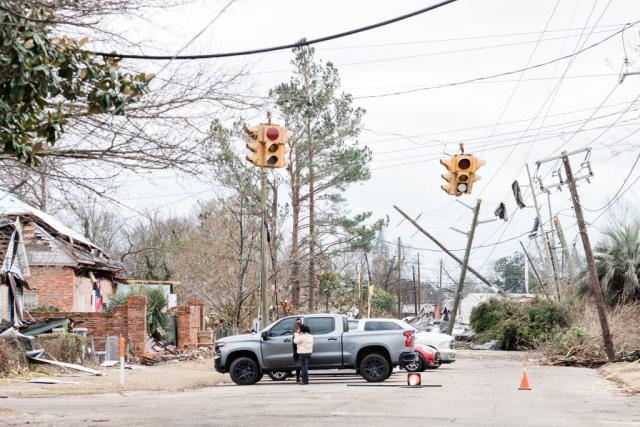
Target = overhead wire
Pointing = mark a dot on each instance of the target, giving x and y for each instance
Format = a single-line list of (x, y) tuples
[(280, 47), (506, 73)]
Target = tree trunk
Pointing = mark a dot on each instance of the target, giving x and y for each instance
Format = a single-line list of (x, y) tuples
[(43, 193), (295, 227), (312, 224), (238, 296)]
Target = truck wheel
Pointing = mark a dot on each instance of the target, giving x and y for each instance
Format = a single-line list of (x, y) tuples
[(279, 375), (374, 368), (244, 371)]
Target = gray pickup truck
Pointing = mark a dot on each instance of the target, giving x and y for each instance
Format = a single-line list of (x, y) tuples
[(372, 354)]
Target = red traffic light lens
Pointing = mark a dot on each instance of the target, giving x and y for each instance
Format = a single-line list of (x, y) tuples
[(273, 133), (464, 164)]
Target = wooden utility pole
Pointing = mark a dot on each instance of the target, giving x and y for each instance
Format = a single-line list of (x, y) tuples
[(264, 298), (594, 282), (551, 264), (451, 254), (399, 283), (533, 267), (419, 285), (565, 248), (415, 291), (463, 271)]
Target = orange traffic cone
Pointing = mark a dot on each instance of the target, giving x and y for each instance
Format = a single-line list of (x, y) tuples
[(524, 382)]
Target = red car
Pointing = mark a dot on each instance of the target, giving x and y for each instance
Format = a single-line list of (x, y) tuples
[(428, 358)]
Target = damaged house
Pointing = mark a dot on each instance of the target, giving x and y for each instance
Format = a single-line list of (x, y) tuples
[(48, 266)]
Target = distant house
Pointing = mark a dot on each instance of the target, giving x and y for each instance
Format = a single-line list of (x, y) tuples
[(62, 269)]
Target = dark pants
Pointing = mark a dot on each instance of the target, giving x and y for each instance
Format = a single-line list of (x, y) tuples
[(304, 366)]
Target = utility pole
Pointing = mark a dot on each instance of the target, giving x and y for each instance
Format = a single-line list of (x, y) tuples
[(533, 267), (551, 264), (264, 298), (451, 254), (526, 275), (415, 291), (594, 282), (399, 285), (440, 280), (565, 248), (463, 271), (419, 285)]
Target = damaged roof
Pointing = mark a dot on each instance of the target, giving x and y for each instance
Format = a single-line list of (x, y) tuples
[(49, 242)]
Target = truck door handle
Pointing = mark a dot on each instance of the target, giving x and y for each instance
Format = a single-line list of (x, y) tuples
[(332, 339), (287, 340)]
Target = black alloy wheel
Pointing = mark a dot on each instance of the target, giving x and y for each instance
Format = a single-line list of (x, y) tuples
[(374, 368), (244, 371)]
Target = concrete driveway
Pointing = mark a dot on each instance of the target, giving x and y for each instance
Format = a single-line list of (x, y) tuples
[(470, 393)]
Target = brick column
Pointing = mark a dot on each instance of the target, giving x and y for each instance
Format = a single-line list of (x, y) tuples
[(137, 323), (197, 302), (187, 337)]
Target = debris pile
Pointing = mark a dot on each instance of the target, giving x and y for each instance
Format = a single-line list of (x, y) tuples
[(169, 353)]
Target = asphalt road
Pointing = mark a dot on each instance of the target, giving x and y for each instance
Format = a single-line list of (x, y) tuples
[(469, 393)]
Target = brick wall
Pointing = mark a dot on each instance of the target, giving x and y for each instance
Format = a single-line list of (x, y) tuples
[(54, 286), (127, 320), (188, 325)]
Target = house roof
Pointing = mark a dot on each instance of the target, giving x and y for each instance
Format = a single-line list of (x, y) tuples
[(49, 242), (11, 205)]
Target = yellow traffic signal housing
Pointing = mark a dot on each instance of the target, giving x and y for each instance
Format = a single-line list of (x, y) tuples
[(462, 173), (451, 177), (275, 143), (256, 146)]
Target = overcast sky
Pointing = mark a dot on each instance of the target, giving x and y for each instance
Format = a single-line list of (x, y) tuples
[(509, 120)]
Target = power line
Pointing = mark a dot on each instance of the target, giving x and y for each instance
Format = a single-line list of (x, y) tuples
[(506, 73), (613, 199), (281, 47)]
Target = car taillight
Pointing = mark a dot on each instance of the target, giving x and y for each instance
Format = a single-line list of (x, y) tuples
[(408, 342)]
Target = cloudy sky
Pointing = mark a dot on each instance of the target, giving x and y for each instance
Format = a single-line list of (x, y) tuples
[(394, 73)]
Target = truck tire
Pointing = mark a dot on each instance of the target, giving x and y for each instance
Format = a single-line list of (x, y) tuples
[(244, 371), (374, 368)]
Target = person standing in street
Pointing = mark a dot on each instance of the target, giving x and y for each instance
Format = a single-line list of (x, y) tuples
[(296, 358), (304, 341)]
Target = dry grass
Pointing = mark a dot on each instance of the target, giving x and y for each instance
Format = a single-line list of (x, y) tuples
[(13, 360), (582, 342)]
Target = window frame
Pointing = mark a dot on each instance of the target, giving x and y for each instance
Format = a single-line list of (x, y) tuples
[(311, 319)]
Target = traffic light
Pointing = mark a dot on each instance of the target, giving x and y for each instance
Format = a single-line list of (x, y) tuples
[(468, 165), (451, 177), (269, 145), (255, 146), (276, 149), (462, 173)]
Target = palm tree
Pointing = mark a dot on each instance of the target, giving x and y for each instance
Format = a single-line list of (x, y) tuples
[(618, 264), (157, 317)]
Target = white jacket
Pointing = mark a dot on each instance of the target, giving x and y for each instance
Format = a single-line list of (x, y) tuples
[(304, 343)]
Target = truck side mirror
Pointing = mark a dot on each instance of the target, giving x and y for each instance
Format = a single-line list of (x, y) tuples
[(265, 336)]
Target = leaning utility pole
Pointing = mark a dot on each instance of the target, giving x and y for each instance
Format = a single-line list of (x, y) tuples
[(451, 254), (594, 282), (264, 299), (463, 271)]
